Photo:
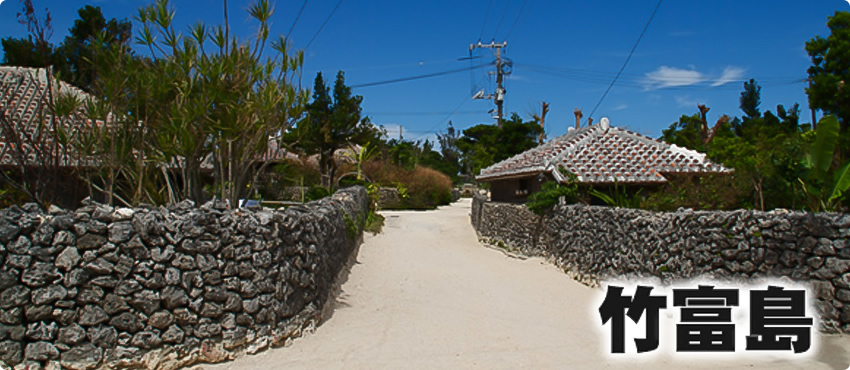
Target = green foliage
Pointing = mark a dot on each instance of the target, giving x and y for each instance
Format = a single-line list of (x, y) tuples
[(351, 228), (751, 99), (685, 133), (402, 191), (618, 196), (419, 188), (825, 192), (374, 223), (483, 145), (450, 161), (550, 194), (316, 192), (74, 60), (821, 152), (765, 151), (204, 97), (703, 192), (829, 74), (331, 123), (830, 69)]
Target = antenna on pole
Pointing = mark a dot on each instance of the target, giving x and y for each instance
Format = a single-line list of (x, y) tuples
[(504, 66)]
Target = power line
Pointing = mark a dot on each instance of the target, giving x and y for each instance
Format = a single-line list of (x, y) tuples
[(296, 19), (411, 78), (323, 25), (516, 20), (501, 20), (648, 22), (444, 120), (486, 17), (422, 113)]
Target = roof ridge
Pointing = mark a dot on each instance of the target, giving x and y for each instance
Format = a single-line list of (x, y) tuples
[(597, 157)]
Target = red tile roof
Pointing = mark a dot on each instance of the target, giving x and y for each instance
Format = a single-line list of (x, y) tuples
[(602, 154), (24, 97)]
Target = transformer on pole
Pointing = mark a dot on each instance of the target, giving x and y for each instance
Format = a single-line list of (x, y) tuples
[(504, 67)]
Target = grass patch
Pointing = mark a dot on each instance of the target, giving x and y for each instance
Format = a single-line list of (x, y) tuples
[(374, 223)]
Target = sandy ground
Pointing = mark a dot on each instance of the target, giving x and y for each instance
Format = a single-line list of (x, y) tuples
[(425, 294)]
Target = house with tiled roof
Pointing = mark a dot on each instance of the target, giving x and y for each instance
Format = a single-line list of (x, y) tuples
[(598, 155), (26, 97)]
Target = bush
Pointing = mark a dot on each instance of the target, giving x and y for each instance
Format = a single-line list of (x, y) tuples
[(374, 223), (316, 192), (710, 192), (291, 172), (550, 194), (426, 188)]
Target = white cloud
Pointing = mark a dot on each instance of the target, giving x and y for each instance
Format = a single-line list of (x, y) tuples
[(686, 101), (621, 107), (666, 76), (681, 33), (730, 74)]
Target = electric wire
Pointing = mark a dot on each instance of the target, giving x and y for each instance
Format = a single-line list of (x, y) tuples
[(521, 9), (438, 113), (486, 17), (304, 5), (323, 25), (501, 20), (648, 22), (443, 121), (411, 78)]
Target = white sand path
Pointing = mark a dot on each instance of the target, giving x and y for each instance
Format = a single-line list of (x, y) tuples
[(425, 294)]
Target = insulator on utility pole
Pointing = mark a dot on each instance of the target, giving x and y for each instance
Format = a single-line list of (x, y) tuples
[(503, 68)]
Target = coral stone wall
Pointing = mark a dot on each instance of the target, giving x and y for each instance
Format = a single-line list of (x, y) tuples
[(157, 287), (594, 243)]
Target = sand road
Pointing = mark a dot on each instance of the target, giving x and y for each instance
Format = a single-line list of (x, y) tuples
[(425, 294)]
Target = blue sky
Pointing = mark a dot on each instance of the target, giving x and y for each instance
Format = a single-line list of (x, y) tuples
[(564, 52)]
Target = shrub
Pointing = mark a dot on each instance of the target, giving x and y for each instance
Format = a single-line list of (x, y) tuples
[(707, 192), (426, 187), (550, 194), (316, 192)]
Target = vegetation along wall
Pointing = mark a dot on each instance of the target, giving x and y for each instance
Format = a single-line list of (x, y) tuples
[(156, 287), (594, 243)]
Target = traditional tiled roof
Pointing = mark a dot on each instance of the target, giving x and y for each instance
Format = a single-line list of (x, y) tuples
[(24, 97), (601, 154)]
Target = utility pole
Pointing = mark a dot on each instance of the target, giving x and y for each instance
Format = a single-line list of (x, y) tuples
[(503, 68)]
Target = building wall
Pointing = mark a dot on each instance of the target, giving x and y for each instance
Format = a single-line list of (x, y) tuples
[(164, 288), (514, 190), (595, 243)]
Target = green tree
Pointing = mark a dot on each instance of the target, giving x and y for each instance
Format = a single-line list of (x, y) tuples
[(78, 50), (830, 69), (35, 50), (203, 101), (483, 145), (826, 184), (73, 60), (685, 133), (765, 150), (331, 124), (750, 100)]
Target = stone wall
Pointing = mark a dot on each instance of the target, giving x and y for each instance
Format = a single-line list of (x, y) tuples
[(593, 243), (507, 225), (156, 287)]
